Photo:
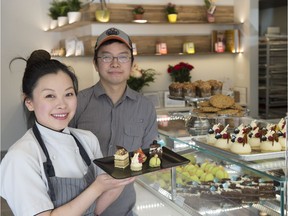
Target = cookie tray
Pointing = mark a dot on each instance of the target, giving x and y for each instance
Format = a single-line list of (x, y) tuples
[(253, 156), (169, 159)]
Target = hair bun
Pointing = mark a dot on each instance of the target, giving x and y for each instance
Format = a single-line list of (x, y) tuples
[(38, 56)]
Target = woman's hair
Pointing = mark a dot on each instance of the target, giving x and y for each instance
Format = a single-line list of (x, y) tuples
[(108, 43), (38, 65)]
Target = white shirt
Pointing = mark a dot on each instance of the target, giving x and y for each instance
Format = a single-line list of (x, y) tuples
[(23, 181)]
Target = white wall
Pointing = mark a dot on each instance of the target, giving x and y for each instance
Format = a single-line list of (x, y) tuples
[(22, 32)]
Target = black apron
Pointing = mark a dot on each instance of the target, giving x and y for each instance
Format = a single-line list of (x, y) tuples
[(63, 190)]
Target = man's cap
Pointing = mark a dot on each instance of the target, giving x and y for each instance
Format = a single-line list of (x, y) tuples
[(113, 33)]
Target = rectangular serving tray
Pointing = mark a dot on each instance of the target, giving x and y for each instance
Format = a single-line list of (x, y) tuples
[(169, 159), (253, 156)]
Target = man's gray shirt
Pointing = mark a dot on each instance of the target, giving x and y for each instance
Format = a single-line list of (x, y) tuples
[(130, 123)]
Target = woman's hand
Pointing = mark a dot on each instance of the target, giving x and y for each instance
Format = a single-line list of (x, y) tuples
[(106, 182)]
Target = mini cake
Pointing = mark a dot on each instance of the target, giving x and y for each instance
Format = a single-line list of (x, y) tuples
[(281, 132), (141, 156), (210, 137), (155, 148), (223, 139), (204, 89), (270, 142), (239, 129), (189, 89), (155, 161), (121, 158), (254, 138), (216, 86), (240, 145), (135, 164), (175, 89), (282, 138)]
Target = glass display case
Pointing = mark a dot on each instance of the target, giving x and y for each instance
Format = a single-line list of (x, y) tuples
[(216, 181)]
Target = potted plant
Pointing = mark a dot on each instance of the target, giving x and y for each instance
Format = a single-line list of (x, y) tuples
[(210, 9), (54, 13), (140, 77), (171, 12), (64, 9), (74, 13), (102, 14), (138, 12), (180, 72)]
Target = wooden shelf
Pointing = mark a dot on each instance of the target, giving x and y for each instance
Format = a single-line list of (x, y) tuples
[(146, 45), (154, 14)]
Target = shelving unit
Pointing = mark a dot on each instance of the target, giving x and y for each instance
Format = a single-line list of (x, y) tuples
[(155, 14), (273, 77)]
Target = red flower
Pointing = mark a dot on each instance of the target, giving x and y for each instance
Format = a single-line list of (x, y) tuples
[(180, 72)]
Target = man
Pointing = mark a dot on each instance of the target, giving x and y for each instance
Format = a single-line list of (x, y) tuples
[(116, 114)]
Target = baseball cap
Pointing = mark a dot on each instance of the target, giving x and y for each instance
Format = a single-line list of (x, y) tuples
[(113, 33)]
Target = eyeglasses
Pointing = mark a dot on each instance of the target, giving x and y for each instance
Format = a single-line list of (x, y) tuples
[(110, 58)]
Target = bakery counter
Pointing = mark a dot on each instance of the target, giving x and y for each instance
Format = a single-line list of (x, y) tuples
[(218, 182)]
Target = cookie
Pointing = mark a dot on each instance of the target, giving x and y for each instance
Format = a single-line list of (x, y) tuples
[(204, 104), (227, 112), (209, 109), (221, 101)]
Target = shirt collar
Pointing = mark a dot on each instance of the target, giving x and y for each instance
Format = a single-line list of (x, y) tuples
[(129, 93)]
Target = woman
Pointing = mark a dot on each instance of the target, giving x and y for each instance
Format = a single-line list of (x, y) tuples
[(49, 170)]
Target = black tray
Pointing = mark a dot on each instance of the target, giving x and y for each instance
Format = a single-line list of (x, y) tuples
[(169, 159)]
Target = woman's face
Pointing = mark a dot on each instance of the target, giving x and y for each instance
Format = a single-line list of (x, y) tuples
[(115, 72), (54, 101)]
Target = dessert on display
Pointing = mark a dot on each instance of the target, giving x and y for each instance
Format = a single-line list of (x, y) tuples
[(135, 164), (210, 137), (155, 148), (254, 138), (223, 139), (189, 89), (281, 132), (175, 89), (216, 86), (121, 158), (141, 155), (155, 161), (270, 142), (240, 145)]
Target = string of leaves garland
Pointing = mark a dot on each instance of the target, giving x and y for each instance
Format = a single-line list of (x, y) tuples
[(180, 72), (140, 77)]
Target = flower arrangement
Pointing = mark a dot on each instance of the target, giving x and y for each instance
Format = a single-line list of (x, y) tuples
[(180, 72), (171, 8), (140, 77), (138, 10)]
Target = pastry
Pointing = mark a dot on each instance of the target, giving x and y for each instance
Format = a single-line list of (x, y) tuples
[(222, 101), (223, 139), (216, 86), (281, 132), (175, 89), (135, 164), (141, 155), (210, 137), (240, 145), (155, 148), (155, 161), (254, 138), (204, 88), (270, 142), (121, 158), (189, 89)]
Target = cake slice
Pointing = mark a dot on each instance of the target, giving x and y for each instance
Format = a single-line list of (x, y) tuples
[(121, 158)]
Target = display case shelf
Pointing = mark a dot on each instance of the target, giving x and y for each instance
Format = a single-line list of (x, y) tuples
[(180, 187)]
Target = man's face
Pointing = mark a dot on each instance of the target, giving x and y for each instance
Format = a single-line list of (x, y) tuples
[(114, 72)]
